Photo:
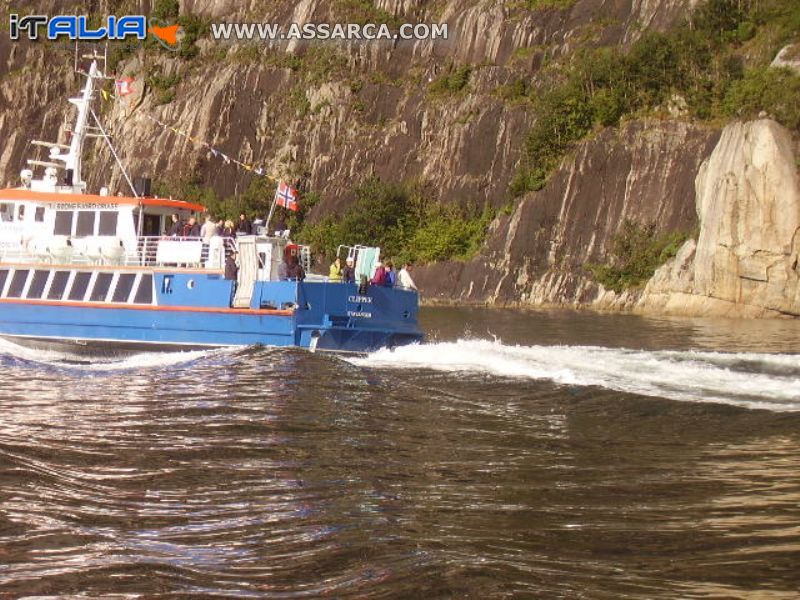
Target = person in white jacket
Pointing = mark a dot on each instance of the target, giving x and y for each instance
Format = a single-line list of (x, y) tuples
[(404, 279), (209, 229)]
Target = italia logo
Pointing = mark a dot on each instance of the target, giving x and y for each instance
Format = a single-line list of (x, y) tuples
[(76, 27)]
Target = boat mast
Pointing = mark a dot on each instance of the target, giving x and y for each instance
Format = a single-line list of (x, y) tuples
[(70, 156), (72, 160)]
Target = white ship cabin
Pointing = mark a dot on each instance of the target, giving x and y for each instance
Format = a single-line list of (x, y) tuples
[(52, 220), (63, 228)]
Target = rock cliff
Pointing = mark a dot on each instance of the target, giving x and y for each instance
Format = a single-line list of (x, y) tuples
[(537, 255), (327, 116), (745, 260), (344, 112)]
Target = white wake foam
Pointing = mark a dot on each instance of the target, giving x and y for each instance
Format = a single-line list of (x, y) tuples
[(753, 380), (143, 360)]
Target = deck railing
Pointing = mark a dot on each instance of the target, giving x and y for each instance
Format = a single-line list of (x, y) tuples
[(148, 251)]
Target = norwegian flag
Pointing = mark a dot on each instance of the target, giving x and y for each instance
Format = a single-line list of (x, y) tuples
[(286, 196), (124, 86)]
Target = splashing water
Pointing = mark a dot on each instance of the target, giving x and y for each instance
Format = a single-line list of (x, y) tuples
[(753, 380), (144, 360)]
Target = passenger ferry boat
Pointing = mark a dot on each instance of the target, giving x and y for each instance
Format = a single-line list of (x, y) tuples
[(95, 273)]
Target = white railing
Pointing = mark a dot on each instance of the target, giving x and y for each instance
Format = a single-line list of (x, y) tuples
[(104, 250)]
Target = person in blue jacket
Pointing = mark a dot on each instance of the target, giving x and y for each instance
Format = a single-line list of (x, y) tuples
[(390, 279)]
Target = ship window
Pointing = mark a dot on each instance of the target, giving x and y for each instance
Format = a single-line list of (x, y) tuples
[(144, 295), (85, 223), (108, 223), (21, 212), (79, 286), (39, 215), (124, 286), (63, 222), (3, 277), (101, 285), (37, 284), (151, 225), (5, 212), (58, 285), (18, 283)]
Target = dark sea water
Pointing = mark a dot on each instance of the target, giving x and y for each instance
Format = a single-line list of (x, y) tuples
[(551, 454)]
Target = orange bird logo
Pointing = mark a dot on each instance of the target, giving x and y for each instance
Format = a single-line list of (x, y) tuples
[(168, 34)]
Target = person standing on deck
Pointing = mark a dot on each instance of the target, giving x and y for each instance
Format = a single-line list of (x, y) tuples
[(244, 227), (295, 271), (191, 228), (404, 279), (208, 230), (379, 278), (231, 268), (349, 272), (391, 275), (335, 275), (175, 226)]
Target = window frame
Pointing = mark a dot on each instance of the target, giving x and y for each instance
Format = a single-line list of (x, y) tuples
[(71, 228), (97, 284), (132, 277), (79, 277), (37, 276), (83, 215), (108, 214), (64, 289), (23, 290), (139, 286), (4, 280)]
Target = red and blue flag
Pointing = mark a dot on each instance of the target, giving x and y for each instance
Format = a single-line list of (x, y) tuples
[(286, 196)]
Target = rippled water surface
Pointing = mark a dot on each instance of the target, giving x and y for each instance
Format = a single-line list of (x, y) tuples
[(551, 454)]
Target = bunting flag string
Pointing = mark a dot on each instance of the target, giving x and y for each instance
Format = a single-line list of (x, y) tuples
[(124, 87), (214, 152)]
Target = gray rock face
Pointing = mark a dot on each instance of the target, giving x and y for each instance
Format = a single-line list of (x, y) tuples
[(745, 260), (788, 57), (329, 134), (467, 144), (644, 172)]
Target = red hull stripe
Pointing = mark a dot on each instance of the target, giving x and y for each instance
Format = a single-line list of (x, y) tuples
[(186, 309), (12, 194)]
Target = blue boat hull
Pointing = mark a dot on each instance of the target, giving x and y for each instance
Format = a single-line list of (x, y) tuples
[(315, 315)]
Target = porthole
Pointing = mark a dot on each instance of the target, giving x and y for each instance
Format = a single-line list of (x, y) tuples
[(190, 284)]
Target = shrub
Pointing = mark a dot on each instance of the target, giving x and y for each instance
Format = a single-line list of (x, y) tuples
[(516, 90), (163, 86), (774, 91), (166, 10), (402, 219), (193, 27), (542, 4), (698, 61), (637, 251), (446, 233), (299, 102), (451, 83)]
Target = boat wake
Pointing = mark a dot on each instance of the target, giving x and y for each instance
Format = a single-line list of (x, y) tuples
[(752, 380), (23, 355)]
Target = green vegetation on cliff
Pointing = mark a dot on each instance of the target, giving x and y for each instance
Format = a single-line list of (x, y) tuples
[(404, 221), (453, 82), (637, 252), (698, 69), (401, 218)]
